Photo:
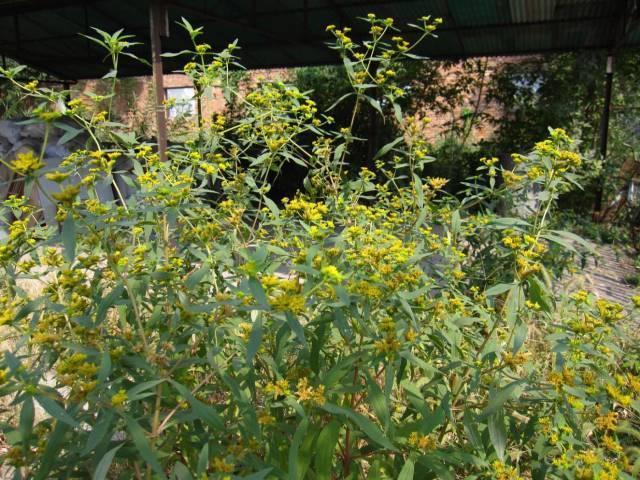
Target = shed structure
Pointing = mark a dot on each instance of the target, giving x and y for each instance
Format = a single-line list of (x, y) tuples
[(46, 34)]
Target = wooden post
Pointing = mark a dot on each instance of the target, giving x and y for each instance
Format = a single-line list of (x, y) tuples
[(159, 28), (604, 136)]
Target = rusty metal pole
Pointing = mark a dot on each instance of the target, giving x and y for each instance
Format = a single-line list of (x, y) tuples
[(159, 28)]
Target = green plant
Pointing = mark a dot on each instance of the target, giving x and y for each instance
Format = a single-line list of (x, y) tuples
[(370, 327)]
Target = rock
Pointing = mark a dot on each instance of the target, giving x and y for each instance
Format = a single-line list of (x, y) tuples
[(10, 130), (5, 146), (23, 146), (33, 130), (56, 151)]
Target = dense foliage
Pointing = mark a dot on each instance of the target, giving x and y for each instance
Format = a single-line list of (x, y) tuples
[(368, 327)]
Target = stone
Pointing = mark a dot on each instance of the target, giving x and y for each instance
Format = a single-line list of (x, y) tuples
[(33, 130), (10, 130), (5, 146)]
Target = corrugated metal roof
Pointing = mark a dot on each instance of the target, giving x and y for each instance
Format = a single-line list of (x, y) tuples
[(285, 33)]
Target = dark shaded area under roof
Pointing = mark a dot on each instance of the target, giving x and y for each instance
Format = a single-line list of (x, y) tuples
[(287, 33)]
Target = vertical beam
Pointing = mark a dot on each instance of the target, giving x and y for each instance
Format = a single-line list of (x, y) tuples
[(199, 105), (604, 131), (604, 121), (16, 29), (306, 20), (159, 28)]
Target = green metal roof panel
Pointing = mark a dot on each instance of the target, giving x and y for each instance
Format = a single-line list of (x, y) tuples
[(286, 33)]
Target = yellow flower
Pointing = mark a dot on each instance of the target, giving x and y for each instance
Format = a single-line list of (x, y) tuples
[(57, 176), (503, 472), (490, 162), (611, 444), (608, 421), (437, 183), (99, 117), (280, 388), (244, 330), (26, 163), (387, 345), (119, 398), (203, 48), (615, 393), (512, 241), (511, 179), (532, 305), (421, 442), (609, 311), (287, 302), (67, 195), (458, 274), (332, 274), (265, 418), (221, 466), (581, 296), (307, 393), (517, 158), (32, 85)]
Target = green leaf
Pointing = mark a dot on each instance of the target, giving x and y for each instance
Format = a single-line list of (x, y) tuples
[(456, 222), (520, 335), (196, 277), (418, 189), (105, 367), (255, 339), (70, 134), (471, 429), (387, 148), (69, 238), (273, 207), (26, 420), (407, 470), (203, 460), (105, 463), (181, 472), (498, 398), (325, 448), (498, 433), (397, 110), (296, 328), (301, 431), (378, 403), (262, 474), (433, 420), (338, 101), (108, 301), (200, 409), (99, 431), (56, 411), (375, 104), (498, 289), (367, 427), (137, 392), (54, 444), (139, 438), (574, 238), (258, 293)]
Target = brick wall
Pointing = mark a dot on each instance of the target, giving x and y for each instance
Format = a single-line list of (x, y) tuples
[(134, 105)]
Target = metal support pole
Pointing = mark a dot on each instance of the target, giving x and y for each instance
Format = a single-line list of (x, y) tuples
[(159, 28), (604, 129), (604, 122), (66, 87)]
